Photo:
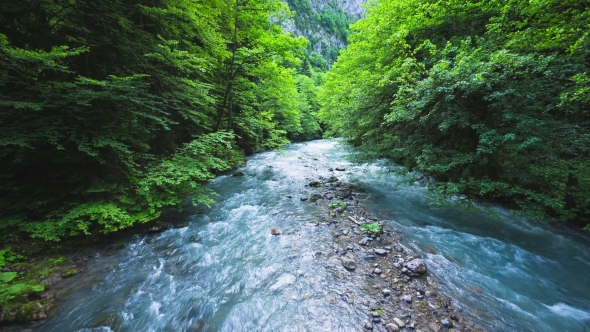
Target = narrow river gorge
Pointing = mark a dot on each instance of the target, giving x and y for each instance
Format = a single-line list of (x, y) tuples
[(226, 271)]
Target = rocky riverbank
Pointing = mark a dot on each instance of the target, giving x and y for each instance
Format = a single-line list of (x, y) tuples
[(400, 294)]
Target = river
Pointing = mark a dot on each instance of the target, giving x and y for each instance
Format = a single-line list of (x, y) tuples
[(227, 272)]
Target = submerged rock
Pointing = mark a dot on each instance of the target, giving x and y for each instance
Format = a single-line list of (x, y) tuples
[(381, 252), (314, 184), (275, 232), (391, 327)]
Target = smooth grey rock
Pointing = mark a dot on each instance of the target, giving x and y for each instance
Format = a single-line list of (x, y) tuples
[(368, 326), (345, 231), (381, 252), (386, 292), (399, 322), (404, 270), (391, 327), (407, 298), (377, 271), (364, 241)]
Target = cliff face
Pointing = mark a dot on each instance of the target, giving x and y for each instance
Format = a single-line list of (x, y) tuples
[(325, 23)]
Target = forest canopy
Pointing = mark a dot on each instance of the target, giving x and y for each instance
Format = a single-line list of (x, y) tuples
[(491, 98)]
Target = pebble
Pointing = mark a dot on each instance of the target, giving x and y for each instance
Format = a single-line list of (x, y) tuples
[(446, 323), (275, 232), (368, 326), (375, 314), (396, 265), (386, 292), (399, 322), (349, 248), (364, 241), (370, 257), (345, 231), (381, 252), (377, 271), (349, 264), (434, 327), (404, 270), (407, 298), (391, 327)]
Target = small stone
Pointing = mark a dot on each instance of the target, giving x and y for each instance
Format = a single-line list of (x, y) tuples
[(446, 323), (370, 257), (238, 173), (381, 252), (275, 232), (303, 199), (407, 298), (386, 292), (391, 327), (349, 264), (340, 169), (364, 241), (349, 248), (404, 270), (377, 271), (399, 322), (375, 314), (429, 293), (345, 231), (434, 327), (396, 265), (368, 326), (299, 272), (314, 184)]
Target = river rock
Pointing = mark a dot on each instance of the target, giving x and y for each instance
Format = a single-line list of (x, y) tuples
[(158, 226), (381, 252), (386, 292), (303, 199), (275, 232), (344, 193), (399, 322), (349, 264), (407, 298), (417, 266), (377, 271), (345, 231), (340, 169), (434, 327), (391, 327), (446, 323), (314, 184), (368, 326)]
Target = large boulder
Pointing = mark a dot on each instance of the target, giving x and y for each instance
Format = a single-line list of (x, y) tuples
[(416, 266)]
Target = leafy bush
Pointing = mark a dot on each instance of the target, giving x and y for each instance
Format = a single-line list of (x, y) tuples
[(372, 228)]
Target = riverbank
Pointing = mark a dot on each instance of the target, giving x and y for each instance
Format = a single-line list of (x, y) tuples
[(400, 294)]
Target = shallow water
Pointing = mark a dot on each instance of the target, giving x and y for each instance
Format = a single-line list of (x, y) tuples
[(226, 272)]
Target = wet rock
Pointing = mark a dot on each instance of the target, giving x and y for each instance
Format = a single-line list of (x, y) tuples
[(158, 226), (434, 327), (350, 248), (386, 292), (377, 271), (68, 273), (349, 264), (391, 327), (396, 265), (381, 252), (303, 199), (430, 293), (417, 266), (399, 322), (345, 231), (333, 179), (407, 298), (364, 241), (238, 173), (404, 270), (370, 257), (340, 169), (375, 313), (314, 184), (368, 326), (446, 323), (275, 232), (344, 193)]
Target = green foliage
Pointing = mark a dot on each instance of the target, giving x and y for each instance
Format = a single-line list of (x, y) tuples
[(371, 228), (9, 288), (56, 261), (337, 204), (490, 98), (111, 112)]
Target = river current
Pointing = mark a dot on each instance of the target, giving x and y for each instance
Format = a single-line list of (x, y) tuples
[(227, 272)]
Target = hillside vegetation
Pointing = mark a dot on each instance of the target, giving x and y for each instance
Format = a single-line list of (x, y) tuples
[(491, 98)]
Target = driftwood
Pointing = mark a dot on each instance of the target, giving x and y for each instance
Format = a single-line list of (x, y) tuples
[(354, 220)]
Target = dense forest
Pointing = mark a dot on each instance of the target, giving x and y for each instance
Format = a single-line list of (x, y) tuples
[(113, 110), (490, 98)]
